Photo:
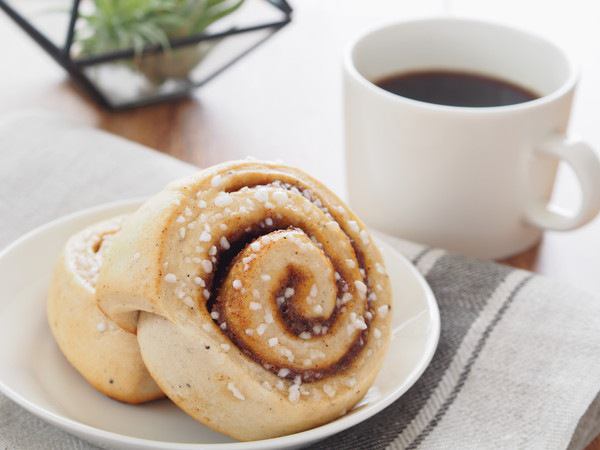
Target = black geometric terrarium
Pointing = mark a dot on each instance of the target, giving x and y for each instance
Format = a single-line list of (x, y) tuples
[(148, 72)]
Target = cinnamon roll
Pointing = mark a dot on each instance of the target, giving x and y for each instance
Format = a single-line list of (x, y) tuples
[(104, 354), (265, 305)]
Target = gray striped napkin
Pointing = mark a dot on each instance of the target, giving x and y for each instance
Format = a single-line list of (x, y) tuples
[(518, 363)]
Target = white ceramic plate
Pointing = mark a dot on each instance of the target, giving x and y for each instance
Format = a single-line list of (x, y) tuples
[(34, 373)]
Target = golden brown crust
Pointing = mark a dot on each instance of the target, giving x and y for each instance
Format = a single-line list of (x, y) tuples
[(265, 302), (105, 355)]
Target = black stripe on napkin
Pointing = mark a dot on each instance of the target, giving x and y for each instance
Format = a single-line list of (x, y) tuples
[(467, 369)]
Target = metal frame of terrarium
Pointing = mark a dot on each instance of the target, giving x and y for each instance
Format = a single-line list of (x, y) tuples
[(75, 65)]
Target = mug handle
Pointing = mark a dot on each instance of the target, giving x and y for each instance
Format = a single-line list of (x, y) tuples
[(586, 165)]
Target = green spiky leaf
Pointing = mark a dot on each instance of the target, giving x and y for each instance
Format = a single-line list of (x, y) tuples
[(119, 24)]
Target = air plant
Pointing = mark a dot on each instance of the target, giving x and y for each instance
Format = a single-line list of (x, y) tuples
[(120, 24)]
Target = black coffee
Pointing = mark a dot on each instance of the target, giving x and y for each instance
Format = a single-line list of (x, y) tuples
[(456, 88)]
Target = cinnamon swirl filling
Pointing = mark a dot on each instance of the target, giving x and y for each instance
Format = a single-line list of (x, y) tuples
[(281, 269)]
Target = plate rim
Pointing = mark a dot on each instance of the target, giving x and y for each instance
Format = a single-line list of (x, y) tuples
[(80, 429)]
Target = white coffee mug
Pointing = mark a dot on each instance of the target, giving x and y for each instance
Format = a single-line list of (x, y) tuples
[(468, 179)]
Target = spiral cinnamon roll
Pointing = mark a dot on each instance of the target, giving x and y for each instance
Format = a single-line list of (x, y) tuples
[(265, 306), (104, 354)]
